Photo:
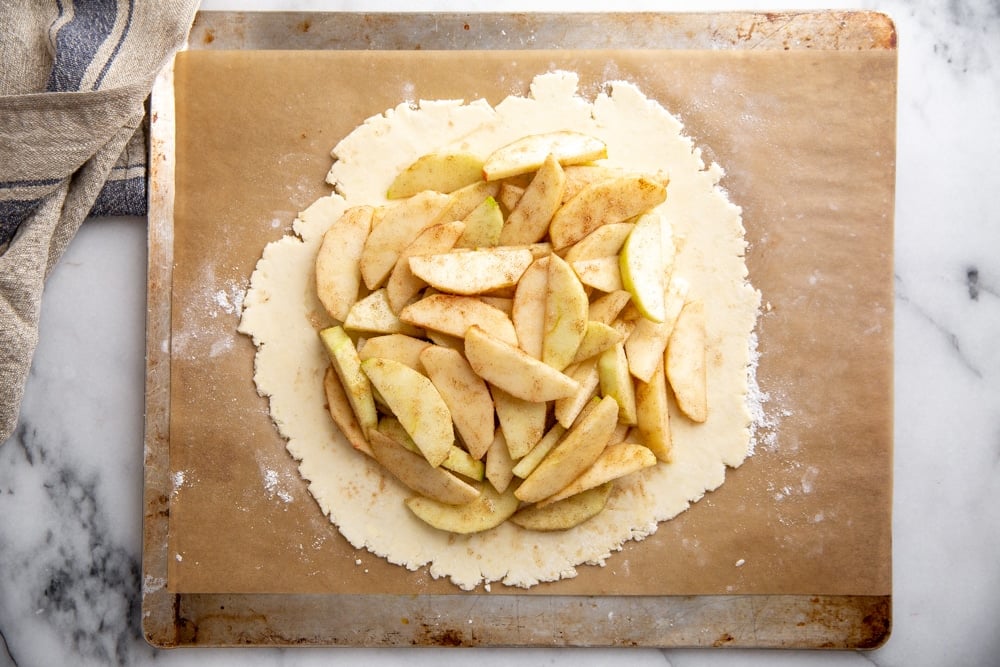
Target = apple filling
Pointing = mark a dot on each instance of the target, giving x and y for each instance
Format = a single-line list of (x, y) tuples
[(519, 333)]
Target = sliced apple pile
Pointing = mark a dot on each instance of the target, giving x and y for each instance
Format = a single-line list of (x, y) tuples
[(510, 333)]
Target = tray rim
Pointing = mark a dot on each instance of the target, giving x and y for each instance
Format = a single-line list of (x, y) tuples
[(173, 620)]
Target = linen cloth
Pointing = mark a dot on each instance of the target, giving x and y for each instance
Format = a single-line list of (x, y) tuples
[(74, 77)]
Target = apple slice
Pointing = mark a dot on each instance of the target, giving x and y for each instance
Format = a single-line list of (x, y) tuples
[(458, 459), (509, 194), (605, 241), (466, 395), (564, 514), (402, 285), (652, 415), (341, 412), (442, 172), (604, 202), (528, 309), (597, 338), (685, 362), (522, 422), (642, 267), (412, 470), (483, 226), (338, 263), (487, 511), (340, 348), (513, 370), (579, 176), (399, 225), (606, 308), (568, 409), (616, 381), (576, 452), (472, 271), (530, 461), (374, 314), (417, 405), (398, 347), (566, 311), (528, 222), (648, 340), (614, 462), (601, 273), (463, 201), (499, 466), (529, 153), (453, 315)]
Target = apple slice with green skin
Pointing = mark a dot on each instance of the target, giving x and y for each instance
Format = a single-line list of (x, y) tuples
[(340, 348), (458, 460), (463, 201), (528, 222), (528, 153), (604, 202), (616, 381), (399, 225), (522, 422), (513, 370), (470, 272), (412, 470), (576, 452), (530, 461), (483, 226), (642, 267), (614, 462), (417, 405), (487, 511), (341, 412), (441, 172), (452, 314), (338, 263), (685, 362), (652, 415), (466, 395), (566, 311), (564, 514)]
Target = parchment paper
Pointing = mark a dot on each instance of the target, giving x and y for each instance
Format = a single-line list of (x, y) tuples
[(808, 141)]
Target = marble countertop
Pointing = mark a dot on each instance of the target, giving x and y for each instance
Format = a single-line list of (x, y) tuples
[(71, 475)]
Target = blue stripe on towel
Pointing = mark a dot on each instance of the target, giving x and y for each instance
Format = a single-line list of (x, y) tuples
[(118, 46), (125, 196), (12, 214), (29, 184), (78, 41)]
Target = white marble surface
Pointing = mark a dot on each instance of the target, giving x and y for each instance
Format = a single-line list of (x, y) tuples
[(71, 476)]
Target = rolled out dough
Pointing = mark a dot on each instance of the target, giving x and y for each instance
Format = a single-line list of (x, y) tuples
[(282, 314)]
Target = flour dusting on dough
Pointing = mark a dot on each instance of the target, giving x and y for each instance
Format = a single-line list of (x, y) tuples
[(281, 315)]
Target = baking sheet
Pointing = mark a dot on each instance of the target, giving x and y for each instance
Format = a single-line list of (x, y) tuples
[(807, 137)]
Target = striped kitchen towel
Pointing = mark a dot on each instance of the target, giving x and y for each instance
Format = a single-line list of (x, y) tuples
[(74, 77)]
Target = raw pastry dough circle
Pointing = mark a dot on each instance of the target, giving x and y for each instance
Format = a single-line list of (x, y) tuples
[(282, 314)]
